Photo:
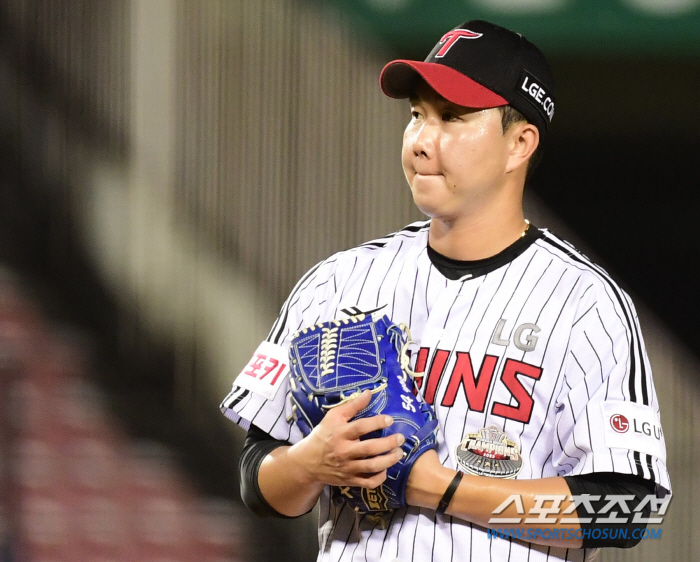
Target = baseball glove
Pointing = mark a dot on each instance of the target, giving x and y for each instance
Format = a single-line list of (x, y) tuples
[(335, 361)]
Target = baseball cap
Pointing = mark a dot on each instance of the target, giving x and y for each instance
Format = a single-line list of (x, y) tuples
[(480, 65)]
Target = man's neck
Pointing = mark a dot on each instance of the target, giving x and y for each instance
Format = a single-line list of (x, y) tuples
[(479, 238)]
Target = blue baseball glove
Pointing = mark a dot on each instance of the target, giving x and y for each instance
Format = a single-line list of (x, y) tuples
[(336, 361)]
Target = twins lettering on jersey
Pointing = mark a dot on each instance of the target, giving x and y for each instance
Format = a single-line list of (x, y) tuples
[(475, 381)]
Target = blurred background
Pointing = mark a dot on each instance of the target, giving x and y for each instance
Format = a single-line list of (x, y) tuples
[(170, 168)]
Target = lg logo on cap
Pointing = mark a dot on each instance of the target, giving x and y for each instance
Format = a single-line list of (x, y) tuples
[(451, 37), (619, 423)]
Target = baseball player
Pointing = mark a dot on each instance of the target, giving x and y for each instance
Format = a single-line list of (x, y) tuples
[(533, 357)]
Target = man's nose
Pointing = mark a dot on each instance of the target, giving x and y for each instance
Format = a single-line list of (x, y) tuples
[(426, 138)]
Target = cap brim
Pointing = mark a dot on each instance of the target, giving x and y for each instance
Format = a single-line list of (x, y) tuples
[(400, 78)]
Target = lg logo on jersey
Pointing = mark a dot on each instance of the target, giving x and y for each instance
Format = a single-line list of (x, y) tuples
[(476, 387), (628, 425), (621, 424), (524, 342)]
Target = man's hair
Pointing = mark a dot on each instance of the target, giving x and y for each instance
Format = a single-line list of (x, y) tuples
[(509, 117)]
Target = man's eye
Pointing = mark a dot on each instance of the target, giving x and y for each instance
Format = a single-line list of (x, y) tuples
[(415, 114), (450, 116)]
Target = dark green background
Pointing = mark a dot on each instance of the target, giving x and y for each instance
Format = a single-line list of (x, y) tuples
[(577, 27)]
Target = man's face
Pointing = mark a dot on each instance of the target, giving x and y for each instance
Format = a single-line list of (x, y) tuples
[(454, 157)]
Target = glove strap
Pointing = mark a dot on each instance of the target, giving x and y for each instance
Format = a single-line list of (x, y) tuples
[(447, 497), (413, 442)]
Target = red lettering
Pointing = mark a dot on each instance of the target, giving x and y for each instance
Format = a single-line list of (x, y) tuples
[(523, 410), (279, 372), (259, 362), (272, 364), (475, 389), (436, 369), (254, 365), (451, 37)]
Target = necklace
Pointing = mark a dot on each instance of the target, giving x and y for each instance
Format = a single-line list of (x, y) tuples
[(527, 225)]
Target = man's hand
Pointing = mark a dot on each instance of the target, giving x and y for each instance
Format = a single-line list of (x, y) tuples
[(333, 453), (292, 478)]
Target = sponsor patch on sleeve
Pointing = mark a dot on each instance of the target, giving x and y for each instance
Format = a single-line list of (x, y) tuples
[(633, 426), (265, 371)]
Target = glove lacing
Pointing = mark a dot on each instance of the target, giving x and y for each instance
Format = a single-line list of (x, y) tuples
[(400, 337)]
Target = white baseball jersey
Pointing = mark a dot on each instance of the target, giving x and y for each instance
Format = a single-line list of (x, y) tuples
[(538, 342)]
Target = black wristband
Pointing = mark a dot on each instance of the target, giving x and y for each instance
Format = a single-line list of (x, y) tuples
[(447, 496)]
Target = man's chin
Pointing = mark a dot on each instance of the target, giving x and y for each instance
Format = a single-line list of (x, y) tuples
[(428, 209), (427, 199), (435, 211)]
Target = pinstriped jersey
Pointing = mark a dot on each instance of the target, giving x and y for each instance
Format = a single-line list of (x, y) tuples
[(539, 343)]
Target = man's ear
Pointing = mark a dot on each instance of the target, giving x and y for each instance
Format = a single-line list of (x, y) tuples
[(523, 139)]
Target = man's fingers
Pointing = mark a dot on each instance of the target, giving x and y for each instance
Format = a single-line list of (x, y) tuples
[(358, 428), (354, 406), (377, 464), (379, 446), (369, 481)]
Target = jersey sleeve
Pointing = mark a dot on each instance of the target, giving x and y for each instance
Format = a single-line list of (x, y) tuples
[(260, 392), (607, 412)]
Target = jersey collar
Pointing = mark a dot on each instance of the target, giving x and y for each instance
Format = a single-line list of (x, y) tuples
[(459, 269)]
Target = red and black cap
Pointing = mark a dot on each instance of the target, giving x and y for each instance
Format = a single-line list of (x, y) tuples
[(480, 65)]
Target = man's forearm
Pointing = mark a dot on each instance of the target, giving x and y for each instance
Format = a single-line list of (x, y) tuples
[(477, 497), (285, 484)]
